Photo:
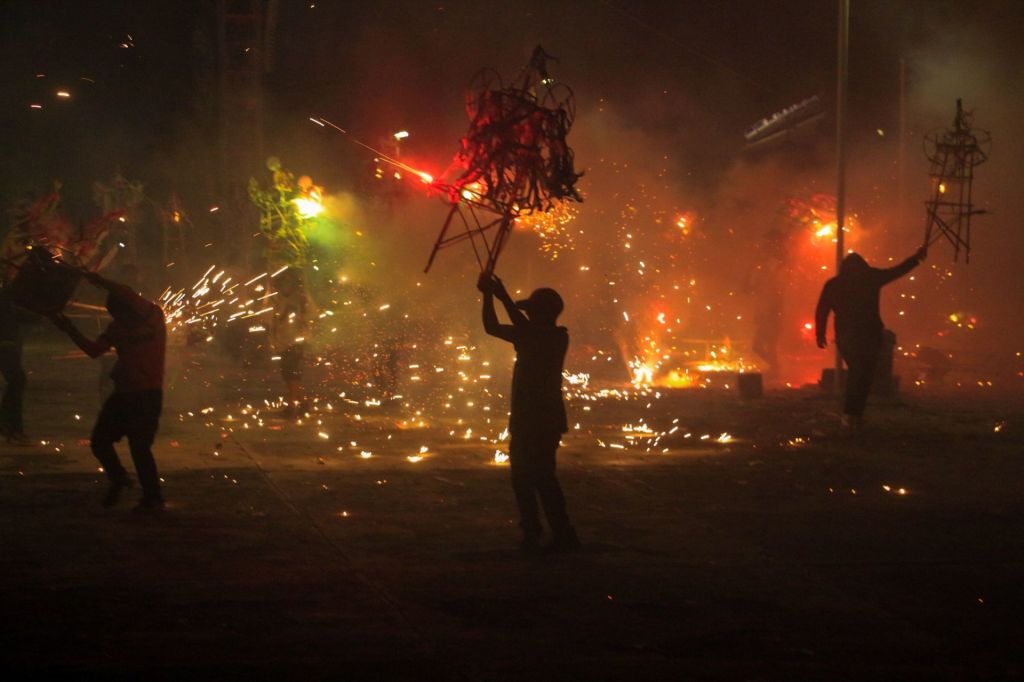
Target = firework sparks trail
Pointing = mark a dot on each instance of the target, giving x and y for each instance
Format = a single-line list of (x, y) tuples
[(425, 177), (447, 388), (206, 304)]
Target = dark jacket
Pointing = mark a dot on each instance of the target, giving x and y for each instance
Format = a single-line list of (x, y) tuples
[(853, 295), (138, 333), (537, 405), (10, 327)]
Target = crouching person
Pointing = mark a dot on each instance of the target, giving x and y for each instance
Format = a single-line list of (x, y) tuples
[(139, 336)]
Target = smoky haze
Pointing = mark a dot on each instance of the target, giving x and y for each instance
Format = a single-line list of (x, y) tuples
[(664, 94)]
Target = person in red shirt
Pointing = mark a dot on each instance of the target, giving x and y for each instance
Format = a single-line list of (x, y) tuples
[(537, 418), (139, 335)]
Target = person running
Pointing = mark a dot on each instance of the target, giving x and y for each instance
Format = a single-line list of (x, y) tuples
[(853, 295), (139, 336), (537, 419)]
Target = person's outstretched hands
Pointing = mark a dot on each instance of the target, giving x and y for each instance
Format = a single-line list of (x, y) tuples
[(485, 283), (499, 289), (489, 284)]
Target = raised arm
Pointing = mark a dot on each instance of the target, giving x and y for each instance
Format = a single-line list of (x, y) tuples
[(490, 317), (889, 274), (93, 349), (514, 313)]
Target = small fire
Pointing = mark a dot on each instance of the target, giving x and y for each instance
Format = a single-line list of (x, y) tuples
[(725, 366), (818, 215), (827, 230), (471, 192), (680, 379), (643, 373), (311, 205)]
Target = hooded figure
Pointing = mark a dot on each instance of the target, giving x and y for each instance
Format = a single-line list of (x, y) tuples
[(853, 295)]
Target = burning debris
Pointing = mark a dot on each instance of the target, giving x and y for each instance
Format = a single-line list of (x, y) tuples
[(954, 154), (514, 159)]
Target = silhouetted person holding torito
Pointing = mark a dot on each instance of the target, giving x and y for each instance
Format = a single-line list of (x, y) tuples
[(139, 336), (538, 418), (853, 296)]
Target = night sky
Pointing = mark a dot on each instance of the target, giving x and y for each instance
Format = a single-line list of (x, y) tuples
[(694, 73)]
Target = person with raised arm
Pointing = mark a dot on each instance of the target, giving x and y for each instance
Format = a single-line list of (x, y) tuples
[(537, 419), (853, 296)]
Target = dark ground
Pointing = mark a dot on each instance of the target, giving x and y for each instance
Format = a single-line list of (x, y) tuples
[(759, 559)]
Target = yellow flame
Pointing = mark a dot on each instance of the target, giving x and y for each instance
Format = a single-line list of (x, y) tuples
[(309, 207), (826, 230), (677, 379)]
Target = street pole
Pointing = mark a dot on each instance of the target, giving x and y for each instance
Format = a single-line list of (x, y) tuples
[(843, 44), (901, 157)]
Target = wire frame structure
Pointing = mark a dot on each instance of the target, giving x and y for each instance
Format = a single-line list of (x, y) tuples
[(514, 159), (954, 154)]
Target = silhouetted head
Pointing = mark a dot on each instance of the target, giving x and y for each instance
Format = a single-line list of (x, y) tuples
[(543, 305), (854, 264), (118, 307), (130, 275)]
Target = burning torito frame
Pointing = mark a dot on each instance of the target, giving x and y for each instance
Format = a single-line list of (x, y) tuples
[(953, 154), (514, 160)]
